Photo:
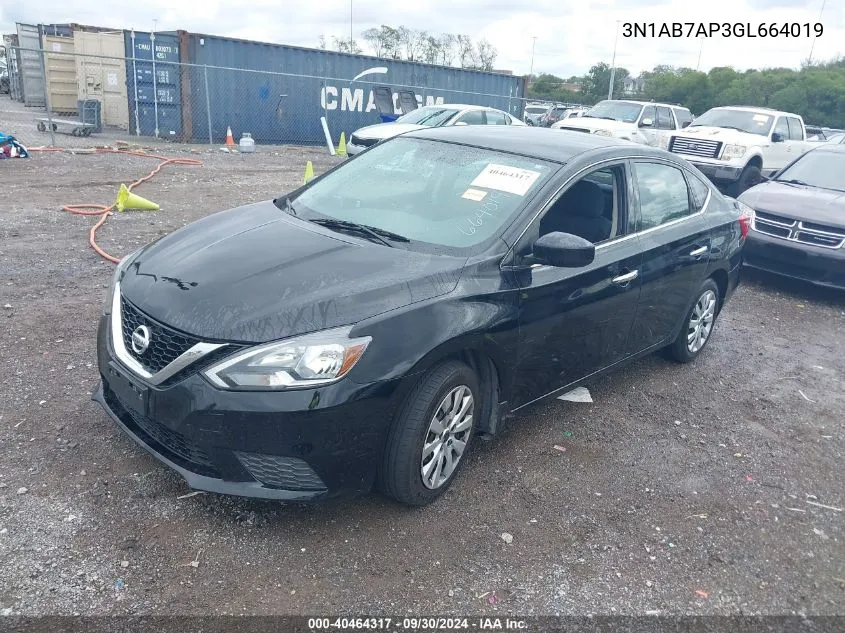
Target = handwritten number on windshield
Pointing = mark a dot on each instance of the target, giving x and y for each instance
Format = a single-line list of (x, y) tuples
[(470, 224)]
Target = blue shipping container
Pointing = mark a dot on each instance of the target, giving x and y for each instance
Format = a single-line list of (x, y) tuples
[(154, 84), (278, 93)]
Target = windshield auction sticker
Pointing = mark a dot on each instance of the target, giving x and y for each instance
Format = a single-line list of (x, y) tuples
[(504, 178)]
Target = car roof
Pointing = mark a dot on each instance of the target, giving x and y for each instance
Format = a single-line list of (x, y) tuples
[(460, 106), (768, 111), (835, 148), (644, 103), (558, 146)]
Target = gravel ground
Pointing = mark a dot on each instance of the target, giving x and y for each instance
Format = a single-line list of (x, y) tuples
[(683, 489)]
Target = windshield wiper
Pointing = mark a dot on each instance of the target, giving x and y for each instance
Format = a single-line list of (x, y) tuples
[(593, 116), (372, 231), (795, 181)]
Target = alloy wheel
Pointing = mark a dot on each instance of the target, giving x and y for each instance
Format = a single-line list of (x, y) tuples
[(447, 437), (701, 321)]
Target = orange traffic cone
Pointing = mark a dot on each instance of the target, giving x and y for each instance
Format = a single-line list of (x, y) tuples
[(230, 140)]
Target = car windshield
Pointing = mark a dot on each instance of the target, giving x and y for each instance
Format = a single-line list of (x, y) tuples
[(742, 120), (441, 196), (817, 169), (431, 116), (617, 110)]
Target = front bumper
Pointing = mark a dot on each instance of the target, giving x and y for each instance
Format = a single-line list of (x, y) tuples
[(298, 445), (717, 173), (815, 264)]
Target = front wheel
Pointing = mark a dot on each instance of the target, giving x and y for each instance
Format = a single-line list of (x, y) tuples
[(750, 176), (431, 435), (698, 324)]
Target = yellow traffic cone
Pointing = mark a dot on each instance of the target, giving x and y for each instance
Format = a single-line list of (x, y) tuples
[(128, 200), (341, 148), (309, 172)]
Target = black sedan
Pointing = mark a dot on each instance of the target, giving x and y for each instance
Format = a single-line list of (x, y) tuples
[(362, 329), (798, 226)]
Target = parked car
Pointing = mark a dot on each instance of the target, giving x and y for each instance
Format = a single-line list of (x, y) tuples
[(363, 328), (638, 121), (736, 146), (428, 116), (533, 112), (570, 113), (798, 226), (815, 133), (552, 115)]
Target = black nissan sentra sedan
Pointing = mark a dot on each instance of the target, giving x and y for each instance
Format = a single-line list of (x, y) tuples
[(798, 228), (361, 330)]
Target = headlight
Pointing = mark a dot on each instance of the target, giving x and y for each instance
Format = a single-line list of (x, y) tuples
[(733, 151), (602, 133), (118, 271), (306, 361)]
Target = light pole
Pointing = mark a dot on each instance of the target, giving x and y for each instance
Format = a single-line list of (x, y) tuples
[(350, 25), (613, 64), (698, 65), (533, 46)]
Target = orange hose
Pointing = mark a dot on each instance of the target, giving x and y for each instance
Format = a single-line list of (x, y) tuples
[(105, 211)]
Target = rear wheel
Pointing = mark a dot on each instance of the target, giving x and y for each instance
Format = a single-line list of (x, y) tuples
[(431, 435), (698, 325)]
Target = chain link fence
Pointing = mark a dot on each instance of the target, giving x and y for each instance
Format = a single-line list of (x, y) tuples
[(85, 94)]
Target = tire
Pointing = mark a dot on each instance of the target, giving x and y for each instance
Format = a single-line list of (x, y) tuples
[(682, 349), (401, 475), (41, 127), (749, 177)]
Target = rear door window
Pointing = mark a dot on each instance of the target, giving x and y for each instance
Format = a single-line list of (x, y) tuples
[(664, 119), (795, 131), (663, 194)]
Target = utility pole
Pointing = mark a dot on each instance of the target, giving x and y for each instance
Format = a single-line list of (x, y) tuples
[(350, 26), (701, 48), (613, 64), (533, 46), (813, 45)]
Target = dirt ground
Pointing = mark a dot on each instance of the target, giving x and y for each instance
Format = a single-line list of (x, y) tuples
[(709, 488)]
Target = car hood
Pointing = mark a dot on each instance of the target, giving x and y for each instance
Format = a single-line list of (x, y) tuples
[(589, 123), (382, 131), (723, 134), (256, 274), (808, 204)]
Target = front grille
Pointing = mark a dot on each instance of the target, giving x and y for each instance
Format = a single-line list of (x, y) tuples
[(365, 142), (803, 232), (172, 445), (702, 148), (166, 344), (574, 129), (288, 473)]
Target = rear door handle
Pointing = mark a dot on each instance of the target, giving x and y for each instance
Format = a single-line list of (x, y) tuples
[(626, 278), (699, 251)]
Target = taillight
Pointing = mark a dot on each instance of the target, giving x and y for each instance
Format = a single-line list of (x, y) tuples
[(744, 225)]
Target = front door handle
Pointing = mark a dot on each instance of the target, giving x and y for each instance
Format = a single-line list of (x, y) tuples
[(626, 278), (699, 252)]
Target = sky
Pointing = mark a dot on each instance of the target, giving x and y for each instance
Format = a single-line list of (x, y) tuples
[(571, 35)]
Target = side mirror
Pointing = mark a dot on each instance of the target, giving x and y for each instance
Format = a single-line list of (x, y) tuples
[(646, 122), (685, 124), (777, 137), (564, 250)]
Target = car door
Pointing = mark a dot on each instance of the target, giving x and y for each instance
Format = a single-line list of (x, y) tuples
[(575, 321), (665, 126), (674, 236), (778, 155), (648, 124), (796, 143)]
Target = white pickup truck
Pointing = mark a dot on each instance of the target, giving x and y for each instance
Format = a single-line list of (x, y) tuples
[(639, 121), (736, 147)]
